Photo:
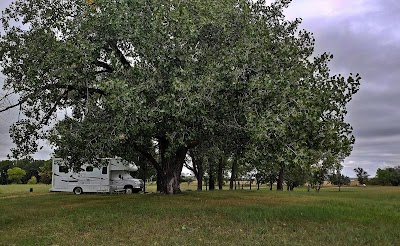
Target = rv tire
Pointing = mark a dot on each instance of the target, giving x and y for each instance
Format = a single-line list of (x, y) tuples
[(78, 190), (128, 190)]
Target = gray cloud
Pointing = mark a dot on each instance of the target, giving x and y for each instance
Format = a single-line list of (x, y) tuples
[(367, 43), (6, 120)]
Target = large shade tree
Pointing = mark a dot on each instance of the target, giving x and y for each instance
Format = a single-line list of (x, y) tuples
[(157, 78)]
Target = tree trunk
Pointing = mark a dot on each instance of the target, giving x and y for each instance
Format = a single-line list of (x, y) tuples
[(144, 177), (233, 175), (171, 168), (170, 181), (279, 185), (270, 185), (200, 177), (211, 182), (197, 169), (159, 181), (220, 176)]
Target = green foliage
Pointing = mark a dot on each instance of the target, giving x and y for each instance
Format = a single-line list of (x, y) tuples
[(373, 181), (15, 174), (388, 176), (32, 180)]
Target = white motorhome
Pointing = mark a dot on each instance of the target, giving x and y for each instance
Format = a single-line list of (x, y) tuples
[(112, 177)]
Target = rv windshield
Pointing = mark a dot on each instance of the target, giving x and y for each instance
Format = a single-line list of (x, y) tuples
[(127, 176)]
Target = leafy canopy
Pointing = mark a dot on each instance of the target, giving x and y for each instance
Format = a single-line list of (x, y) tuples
[(157, 78)]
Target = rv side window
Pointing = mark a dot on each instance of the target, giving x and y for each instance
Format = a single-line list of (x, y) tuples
[(62, 169), (104, 170), (89, 169)]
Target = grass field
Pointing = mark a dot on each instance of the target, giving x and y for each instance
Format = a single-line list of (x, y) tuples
[(354, 216)]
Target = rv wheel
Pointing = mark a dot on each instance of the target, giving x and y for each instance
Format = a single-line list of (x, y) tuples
[(129, 190), (78, 190)]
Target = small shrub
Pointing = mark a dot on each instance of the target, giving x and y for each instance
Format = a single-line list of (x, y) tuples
[(32, 180)]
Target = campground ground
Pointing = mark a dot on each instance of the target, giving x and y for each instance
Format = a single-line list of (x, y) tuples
[(354, 216)]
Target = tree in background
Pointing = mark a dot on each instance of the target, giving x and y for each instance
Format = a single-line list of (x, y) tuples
[(15, 174), (196, 165), (40, 169), (4, 166), (31, 167), (388, 176), (317, 176), (46, 172), (339, 179), (260, 179), (265, 173), (296, 176), (362, 176)]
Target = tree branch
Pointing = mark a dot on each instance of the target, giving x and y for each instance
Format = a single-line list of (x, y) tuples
[(147, 155), (194, 169), (81, 90), (120, 55), (45, 120), (14, 105), (6, 96), (84, 90), (104, 65)]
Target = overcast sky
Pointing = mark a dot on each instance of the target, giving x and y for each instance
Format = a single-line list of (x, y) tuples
[(364, 37)]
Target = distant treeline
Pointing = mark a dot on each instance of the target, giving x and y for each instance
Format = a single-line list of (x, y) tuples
[(23, 171), (387, 176), (40, 169)]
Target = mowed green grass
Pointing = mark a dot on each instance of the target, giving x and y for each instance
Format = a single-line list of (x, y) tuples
[(354, 216)]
